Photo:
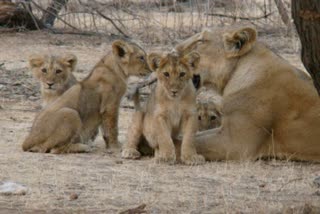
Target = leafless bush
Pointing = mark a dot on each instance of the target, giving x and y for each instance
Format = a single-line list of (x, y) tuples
[(163, 21)]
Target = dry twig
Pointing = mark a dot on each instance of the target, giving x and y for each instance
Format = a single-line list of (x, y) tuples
[(137, 210), (239, 17)]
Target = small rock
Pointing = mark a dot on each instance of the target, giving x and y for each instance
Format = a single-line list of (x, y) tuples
[(73, 196), (33, 98), (262, 185), (119, 162), (11, 188), (316, 182)]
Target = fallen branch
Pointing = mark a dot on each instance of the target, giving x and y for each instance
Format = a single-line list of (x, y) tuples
[(133, 89), (137, 210), (239, 17), (146, 83)]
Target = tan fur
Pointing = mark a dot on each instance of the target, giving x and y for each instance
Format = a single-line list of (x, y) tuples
[(67, 124), (209, 116), (170, 110), (54, 74), (270, 108)]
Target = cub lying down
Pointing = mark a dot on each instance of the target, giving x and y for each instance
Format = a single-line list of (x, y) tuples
[(209, 116), (54, 74), (67, 124), (169, 111)]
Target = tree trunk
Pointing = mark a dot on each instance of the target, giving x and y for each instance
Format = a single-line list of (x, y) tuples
[(306, 16), (14, 16), (50, 15), (283, 12)]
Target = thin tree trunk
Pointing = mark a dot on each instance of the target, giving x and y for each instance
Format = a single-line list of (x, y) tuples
[(286, 19), (50, 15), (306, 16)]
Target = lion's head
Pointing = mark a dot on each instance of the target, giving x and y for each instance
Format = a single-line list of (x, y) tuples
[(209, 116), (53, 72), (174, 71), (220, 50), (131, 58)]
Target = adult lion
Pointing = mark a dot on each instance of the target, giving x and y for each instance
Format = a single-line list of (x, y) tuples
[(270, 108)]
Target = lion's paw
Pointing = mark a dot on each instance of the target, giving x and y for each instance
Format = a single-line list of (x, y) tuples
[(193, 159), (130, 153), (169, 158)]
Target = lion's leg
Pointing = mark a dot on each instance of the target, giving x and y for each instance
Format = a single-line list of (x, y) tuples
[(110, 127), (238, 138), (67, 125), (33, 142), (129, 149), (73, 146), (90, 129), (188, 151), (159, 138)]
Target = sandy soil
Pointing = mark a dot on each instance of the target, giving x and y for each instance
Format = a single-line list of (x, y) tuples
[(103, 182)]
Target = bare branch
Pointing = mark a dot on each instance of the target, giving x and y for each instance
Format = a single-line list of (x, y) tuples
[(105, 17), (239, 17)]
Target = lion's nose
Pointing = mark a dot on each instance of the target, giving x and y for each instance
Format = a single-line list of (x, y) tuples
[(50, 84), (174, 92)]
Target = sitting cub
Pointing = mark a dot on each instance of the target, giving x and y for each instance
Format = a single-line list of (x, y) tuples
[(67, 124), (209, 116), (169, 111), (54, 74)]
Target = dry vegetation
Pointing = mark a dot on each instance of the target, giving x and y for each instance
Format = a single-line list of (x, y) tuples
[(100, 182)]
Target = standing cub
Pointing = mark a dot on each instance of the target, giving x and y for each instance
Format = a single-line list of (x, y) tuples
[(170, 110), (54, 74), (67, 124)]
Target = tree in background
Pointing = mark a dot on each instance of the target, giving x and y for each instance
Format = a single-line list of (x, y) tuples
[(51, 13), (306, 16)]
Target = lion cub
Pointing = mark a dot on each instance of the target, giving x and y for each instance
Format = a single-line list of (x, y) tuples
[(67, 124), (169, 111), (209, 116), (54, 74)]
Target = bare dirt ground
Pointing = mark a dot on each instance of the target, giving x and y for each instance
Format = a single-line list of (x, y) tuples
[(106, 184)]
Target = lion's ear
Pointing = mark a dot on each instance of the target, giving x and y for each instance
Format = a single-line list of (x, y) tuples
[(70, 60), (239, 42), (36, 61), (193, 60), (154, 60), (121, 49)]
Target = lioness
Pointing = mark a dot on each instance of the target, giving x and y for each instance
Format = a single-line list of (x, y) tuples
[(208, 115), (169, 110), (269, 108), (54, 74), (67, 124)]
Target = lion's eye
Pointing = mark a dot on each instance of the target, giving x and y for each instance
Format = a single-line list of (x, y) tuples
[(142, 58), (213, 117), (58, 71), (182, 74), (44, 70), (199, 117), (166, 74)]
